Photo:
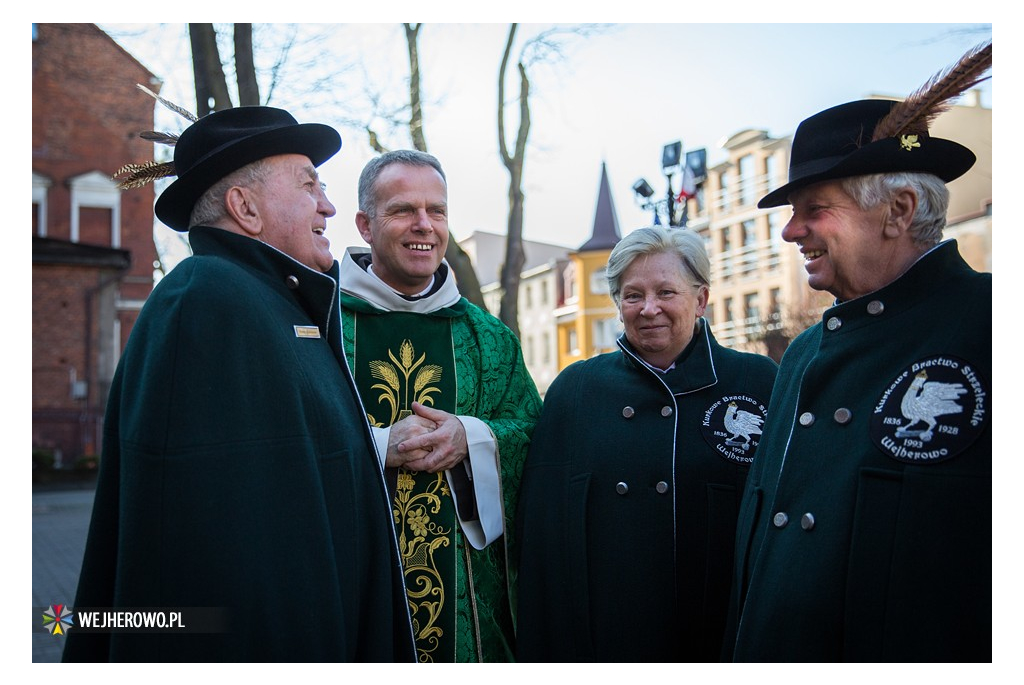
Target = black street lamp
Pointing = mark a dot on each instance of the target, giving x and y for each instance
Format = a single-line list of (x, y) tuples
[(693, 171)]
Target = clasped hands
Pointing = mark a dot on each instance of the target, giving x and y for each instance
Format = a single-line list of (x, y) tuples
[(429, 440)]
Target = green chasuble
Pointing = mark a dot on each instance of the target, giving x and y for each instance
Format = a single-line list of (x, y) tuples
[(461, 598)]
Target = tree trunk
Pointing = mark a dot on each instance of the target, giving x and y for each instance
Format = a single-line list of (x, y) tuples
[(515, 258), (461, 264), (245, 66), (211, 86), (419, 141)]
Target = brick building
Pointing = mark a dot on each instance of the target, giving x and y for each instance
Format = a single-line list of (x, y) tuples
[(92, 245)]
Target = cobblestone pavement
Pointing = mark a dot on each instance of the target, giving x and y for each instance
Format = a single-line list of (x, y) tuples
[(60, 522)]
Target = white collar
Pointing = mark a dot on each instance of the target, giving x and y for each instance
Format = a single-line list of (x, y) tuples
[(367, 286)]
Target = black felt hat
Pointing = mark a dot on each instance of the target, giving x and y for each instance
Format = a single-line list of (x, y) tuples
[(225, 141), (837, 143)]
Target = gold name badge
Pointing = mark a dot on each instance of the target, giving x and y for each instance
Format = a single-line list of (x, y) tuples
[(307, 332)]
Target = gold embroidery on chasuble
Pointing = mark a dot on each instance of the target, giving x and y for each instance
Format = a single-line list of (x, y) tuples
[(401, 358)]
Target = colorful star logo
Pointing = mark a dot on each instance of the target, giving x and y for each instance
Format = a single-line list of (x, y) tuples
[(57, 619)]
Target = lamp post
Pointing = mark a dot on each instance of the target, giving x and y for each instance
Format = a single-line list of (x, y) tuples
[(670, 156), (693, 171)]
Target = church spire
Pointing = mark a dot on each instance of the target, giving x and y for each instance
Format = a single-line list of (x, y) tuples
[(606, 225)]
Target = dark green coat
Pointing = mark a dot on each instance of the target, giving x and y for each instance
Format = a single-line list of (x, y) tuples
[(856, 543), (628, 507), (238, 473)]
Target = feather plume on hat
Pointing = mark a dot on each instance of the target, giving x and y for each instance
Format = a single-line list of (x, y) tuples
[(915, 114), (138, 175)]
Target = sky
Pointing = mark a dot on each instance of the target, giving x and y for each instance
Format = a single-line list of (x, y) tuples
[(616, 96)]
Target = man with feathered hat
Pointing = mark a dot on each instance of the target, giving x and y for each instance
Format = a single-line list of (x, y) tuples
[(238, 483), (865, 529)]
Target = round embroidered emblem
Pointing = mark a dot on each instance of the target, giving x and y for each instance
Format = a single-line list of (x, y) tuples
[(932, 411), (732, 426)]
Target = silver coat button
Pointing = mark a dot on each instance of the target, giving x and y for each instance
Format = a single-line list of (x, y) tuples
[(875, 307), (834, 323), (780, 519), (842, 415), (661, 487), (628, 412), (292, 282), (666, 411), (806, 419), (621, 488), (807, 521)]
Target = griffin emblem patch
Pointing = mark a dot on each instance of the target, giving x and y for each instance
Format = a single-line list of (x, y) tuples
[(932, 411), (732, 426)]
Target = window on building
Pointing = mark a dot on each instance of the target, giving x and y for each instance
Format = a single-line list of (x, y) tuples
[(774, 239), (572, 342), (599, 281), (748, 179), (771, 172), (775, 227), (94, 225), (544, 296), (545, 350), (528, 350), (724, 181), (605, 333), (727, 308), (705, 235), (750, 308), (40, 189), (95, 191), (529, 296), (748, 252), (569, 281), (749, 233), (725, 255)]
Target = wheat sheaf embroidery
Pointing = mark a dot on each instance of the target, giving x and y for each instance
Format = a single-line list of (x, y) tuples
[(399, 387)]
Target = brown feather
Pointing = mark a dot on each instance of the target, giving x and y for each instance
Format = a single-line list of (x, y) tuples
[(917, 112), (159, 137), (168, 104), (138, 175)]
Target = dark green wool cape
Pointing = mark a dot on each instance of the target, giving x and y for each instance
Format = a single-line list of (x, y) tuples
[(238, 474), (865, 532), (628, 508)]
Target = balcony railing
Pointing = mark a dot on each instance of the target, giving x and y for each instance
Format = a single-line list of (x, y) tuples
[(746, 193), (745, 262)]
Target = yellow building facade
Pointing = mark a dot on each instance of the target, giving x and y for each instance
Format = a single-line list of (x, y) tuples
[(587, 321)]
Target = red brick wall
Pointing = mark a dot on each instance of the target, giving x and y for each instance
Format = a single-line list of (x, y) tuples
[(86, 116)]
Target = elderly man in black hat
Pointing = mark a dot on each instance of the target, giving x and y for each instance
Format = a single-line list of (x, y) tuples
[(240, 497), (865, 529)]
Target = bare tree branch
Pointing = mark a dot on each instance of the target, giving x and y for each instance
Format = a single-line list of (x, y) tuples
[(502, 147), (280, 61), (375, 141), (245, 66), (515, 257), (419, 141), (208, 70)]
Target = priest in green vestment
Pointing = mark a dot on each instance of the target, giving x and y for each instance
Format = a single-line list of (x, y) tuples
[(452, 407)]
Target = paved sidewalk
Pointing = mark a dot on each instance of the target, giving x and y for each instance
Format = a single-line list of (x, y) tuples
[(60, 522)]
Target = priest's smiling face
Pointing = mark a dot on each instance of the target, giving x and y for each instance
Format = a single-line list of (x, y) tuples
[(408, 234)]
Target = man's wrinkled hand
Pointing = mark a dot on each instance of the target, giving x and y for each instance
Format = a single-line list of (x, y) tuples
[(409, 427), (436, 450)]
